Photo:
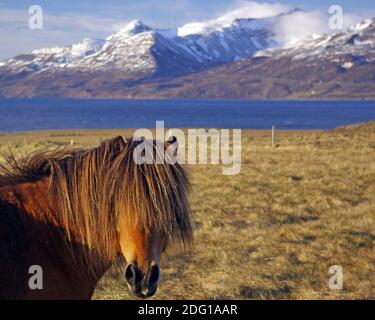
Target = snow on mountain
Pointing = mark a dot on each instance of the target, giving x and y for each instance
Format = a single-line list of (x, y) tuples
[(226, 42), (239, 59), (247, 11), (358, 42), (363, 25), (224, 24), (135, 27), (84, 48), (139, 48)]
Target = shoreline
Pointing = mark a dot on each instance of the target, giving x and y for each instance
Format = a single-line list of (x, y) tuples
[(153, 129), (97, 135), (116, 130)]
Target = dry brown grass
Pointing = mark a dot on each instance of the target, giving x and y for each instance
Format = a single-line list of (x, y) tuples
[(272, 231)]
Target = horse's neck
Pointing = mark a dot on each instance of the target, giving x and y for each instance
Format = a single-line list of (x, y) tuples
[(45, 243)]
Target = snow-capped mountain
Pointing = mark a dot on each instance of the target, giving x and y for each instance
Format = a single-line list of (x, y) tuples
[(138, 48), (358, 43), (340, 65), (236, 58)]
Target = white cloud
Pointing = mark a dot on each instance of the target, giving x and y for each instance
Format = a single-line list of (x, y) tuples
[(288, 28), (300, 24), (58, 30), (256, 10), (67, 21), (244, 10), (352, 19), (69, 28)]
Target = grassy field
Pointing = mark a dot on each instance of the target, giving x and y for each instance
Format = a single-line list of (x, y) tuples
[(273, 231)]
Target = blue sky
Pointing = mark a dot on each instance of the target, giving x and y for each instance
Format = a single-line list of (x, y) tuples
[(162, 11), (148, 9), (69, 21)]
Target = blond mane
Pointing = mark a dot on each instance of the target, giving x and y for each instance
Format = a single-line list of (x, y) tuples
[(94, 187)]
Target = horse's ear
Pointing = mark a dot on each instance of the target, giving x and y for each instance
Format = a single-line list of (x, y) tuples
[(172, 140), (118, 144)]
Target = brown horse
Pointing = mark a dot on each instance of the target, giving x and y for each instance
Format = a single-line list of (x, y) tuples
[(74, 212)]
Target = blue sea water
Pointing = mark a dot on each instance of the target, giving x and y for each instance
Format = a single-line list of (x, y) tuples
[(36, 114)]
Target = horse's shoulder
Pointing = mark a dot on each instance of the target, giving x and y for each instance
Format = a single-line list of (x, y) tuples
[(13, 245), (10, 218)]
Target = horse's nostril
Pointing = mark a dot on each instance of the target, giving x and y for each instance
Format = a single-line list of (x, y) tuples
[(154, 274), (142, 285), (151, 280), (131, 274)]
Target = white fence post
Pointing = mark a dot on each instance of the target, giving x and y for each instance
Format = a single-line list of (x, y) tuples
[(273, 136)]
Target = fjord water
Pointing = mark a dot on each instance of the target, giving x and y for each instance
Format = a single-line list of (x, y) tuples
[(53, 114)]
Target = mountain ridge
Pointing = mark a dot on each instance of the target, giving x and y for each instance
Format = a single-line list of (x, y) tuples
[(239, 59)]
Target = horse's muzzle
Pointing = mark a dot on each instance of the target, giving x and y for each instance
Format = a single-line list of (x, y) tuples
[(142, 285)]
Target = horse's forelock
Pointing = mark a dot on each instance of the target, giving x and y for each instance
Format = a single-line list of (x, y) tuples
[(152, 196)]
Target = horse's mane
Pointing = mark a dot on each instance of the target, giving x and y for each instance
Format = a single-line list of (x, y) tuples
[(94, 187)]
